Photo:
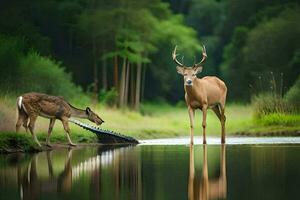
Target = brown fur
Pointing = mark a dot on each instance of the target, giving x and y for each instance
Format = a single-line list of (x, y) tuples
[(52, 107)]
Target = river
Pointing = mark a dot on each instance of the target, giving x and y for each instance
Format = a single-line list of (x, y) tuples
[(244, 168)]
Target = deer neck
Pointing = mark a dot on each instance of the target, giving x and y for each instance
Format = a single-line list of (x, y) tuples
[(75, 112), (191, 90)]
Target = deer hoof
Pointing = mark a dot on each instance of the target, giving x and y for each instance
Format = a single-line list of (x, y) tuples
[(72, 144), (49, 145), (204, 142)]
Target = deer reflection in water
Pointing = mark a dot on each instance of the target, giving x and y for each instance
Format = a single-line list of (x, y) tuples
[(31, 185), (207, 189), (45, 176)]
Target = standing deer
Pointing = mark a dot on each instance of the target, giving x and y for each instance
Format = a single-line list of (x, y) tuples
[(32, 105), (202, 93)]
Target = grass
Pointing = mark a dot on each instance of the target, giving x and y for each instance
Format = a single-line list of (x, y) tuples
[(17, 142), (154, 121)]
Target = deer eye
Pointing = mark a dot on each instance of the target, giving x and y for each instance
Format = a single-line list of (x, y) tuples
[(184, 74), (194, 74)]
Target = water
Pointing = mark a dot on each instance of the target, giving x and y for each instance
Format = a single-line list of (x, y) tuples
[(267, 170)]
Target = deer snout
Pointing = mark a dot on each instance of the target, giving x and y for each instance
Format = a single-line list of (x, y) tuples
[(189, 82)]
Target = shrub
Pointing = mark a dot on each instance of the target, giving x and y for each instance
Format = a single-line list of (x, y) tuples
[(266, 103), (41, 74), (293, 95), (21, 73), (109, 97)]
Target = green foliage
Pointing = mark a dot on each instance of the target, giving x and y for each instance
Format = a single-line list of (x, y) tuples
[(32, 72), (271, 46), (42, 74), (267, 103), (10, 54), (279, 119), (110, 97), (244, 40), (293, 95), (13, 141)]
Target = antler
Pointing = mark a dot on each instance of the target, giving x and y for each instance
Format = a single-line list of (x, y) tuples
[(174, 57), (204, 56)]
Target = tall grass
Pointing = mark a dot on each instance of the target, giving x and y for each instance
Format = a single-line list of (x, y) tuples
[(271, 107), (267, 103), (293, 95)]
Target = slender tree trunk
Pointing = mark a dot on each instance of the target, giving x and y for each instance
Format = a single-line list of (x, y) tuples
[(104, 75), (116, 75), (122, 84), (95, 66), (138, 86), (143, 82), (132, 87), (127, 84), (104, 70)]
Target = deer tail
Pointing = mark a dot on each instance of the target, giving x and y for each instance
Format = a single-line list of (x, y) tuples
[(20, 106), (19, 102)]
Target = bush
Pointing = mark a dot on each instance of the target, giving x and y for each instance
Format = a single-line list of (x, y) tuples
[(41, 74), (21, 73), (109, 97), (266, 103), (293, 95)]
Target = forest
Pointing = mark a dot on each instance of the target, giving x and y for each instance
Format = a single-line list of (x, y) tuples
[(120, 51)]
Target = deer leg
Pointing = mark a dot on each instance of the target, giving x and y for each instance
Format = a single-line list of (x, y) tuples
[(67, 129), (25, 123), (223, 120), (52, 122), (217, 112), (204, 111), (192, 116), (31, 128), (20, 120)]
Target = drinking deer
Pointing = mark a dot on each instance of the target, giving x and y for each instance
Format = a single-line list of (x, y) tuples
[(202, 93), (32, 105)]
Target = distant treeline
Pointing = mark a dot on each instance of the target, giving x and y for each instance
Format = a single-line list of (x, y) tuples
[(121, 49), (250, 42)]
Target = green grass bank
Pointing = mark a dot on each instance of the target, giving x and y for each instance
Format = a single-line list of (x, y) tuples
[(153, 121)]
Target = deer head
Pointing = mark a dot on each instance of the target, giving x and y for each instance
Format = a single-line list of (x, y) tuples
[(93, 117), (189, 73)]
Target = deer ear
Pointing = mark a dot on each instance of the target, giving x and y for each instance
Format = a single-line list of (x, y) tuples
[(87, 110), (180, 70), (198, 69)]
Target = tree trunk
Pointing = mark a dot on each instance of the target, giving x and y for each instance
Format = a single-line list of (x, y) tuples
[(126, 84), (95, 66), (143, 82), (104, 70), (116, 75), (132, 87), (104, 75), (138, 86), (122, 84)]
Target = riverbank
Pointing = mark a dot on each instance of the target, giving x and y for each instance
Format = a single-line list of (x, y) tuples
[(153, 121)]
